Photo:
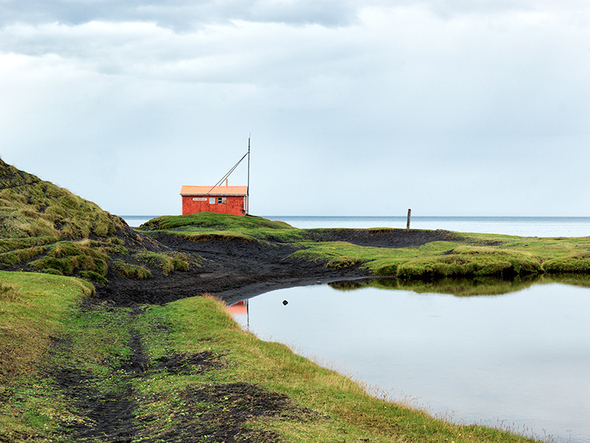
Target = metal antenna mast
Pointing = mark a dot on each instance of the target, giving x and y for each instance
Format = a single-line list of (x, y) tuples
[(248, 188)]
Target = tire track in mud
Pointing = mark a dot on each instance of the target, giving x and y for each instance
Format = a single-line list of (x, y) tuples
[(111, 410), (106, 409)]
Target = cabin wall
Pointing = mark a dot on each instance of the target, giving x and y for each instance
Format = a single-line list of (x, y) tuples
[(193, 204)]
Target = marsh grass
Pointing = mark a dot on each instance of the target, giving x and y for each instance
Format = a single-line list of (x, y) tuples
[(472, 256)]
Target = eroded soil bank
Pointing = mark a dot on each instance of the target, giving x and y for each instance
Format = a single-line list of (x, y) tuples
[(234, 269)]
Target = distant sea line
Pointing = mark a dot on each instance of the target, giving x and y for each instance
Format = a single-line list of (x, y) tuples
[(521, 226)]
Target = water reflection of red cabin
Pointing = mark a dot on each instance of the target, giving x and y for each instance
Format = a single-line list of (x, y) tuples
[(219, 199), (239, 308)]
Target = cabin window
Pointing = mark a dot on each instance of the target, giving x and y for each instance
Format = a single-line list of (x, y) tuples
[(212, 201), (221, 200)]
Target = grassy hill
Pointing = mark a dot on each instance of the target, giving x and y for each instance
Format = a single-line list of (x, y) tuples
[(31, 207), (44, 227)]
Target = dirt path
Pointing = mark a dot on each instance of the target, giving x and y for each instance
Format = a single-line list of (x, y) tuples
[(109, 408), (106, 411)]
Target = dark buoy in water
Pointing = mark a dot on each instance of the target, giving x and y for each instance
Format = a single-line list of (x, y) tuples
[(285, 302)]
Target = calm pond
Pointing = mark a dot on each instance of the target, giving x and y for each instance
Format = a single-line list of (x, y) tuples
[(520, 361)]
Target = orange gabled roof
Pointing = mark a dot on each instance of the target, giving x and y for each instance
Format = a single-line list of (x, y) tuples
[(217, 190)]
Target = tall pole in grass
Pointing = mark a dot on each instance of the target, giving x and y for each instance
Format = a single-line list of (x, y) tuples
[(248, 188), (409, 215)]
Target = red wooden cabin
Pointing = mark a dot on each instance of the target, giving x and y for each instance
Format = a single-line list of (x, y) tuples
[(220, 199)]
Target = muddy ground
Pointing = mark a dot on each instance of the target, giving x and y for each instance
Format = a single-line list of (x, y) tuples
[(199, 412), (236, 269)]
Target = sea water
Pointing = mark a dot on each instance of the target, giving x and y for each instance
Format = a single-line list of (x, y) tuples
[(521, 226)]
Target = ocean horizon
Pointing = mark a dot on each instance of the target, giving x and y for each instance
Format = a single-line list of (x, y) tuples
[(534, 226)]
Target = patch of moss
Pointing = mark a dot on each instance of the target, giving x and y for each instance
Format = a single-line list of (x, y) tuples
[(15, 257), (131, 271), (344, 262), (166, 262), (70, 257), (93, 277)]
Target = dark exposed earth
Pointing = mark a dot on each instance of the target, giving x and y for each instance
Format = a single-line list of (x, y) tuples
[(235, 269)]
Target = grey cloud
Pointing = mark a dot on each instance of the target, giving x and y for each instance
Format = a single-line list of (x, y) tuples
[(185, 15), (180, 15), (412, 101)]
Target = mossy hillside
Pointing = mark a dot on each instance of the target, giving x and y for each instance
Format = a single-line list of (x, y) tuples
[(47, 228), (31, 207)]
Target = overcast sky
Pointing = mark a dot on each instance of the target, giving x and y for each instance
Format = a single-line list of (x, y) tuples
[(355, 107)]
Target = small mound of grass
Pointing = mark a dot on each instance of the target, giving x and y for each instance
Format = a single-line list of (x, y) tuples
[(93, 277), (344, 262), (12, 258), (206, 226), (575, 264), (468, 261), (212, 221), (165, 262), (131, 271), (69, 257)]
